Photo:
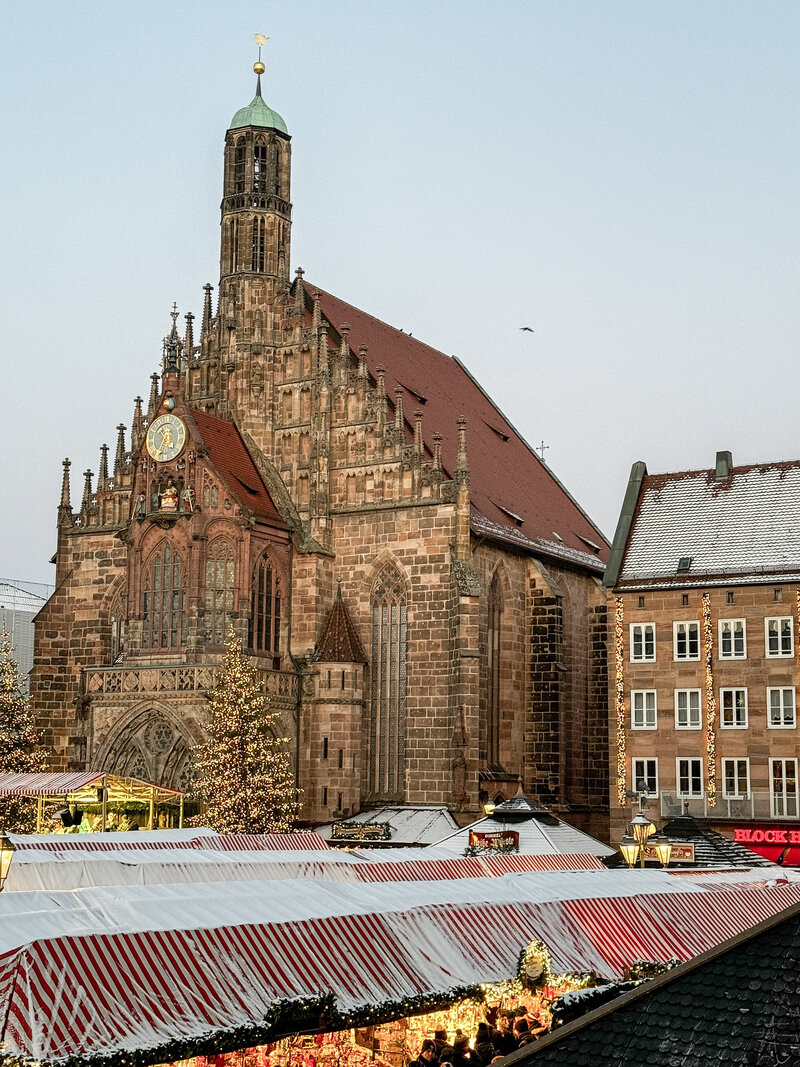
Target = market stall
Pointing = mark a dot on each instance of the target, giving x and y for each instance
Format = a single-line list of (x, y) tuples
[(91, 793), (168, 973)]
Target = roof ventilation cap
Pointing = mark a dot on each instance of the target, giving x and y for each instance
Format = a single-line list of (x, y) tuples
[(723, 468)]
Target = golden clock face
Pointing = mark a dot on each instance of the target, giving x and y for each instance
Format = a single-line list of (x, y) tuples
[(166, 437)]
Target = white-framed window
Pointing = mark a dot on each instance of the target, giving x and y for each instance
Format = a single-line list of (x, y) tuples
[(643, 642), (645, 770), (687, 709), (733, 709), (779, 636), (644, 709), (686, 640), (781, 713), (783, 786), (736, 778), (689, 776), (732, 639)]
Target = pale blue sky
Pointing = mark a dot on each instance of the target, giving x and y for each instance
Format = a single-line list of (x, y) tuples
[(622, 176)]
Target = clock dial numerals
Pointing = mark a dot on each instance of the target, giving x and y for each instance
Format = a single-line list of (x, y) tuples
[(166, 437)]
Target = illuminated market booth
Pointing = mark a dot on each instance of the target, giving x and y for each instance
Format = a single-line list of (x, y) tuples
[(95, 801)]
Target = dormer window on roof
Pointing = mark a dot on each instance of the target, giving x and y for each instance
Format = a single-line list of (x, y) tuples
[(685, 564), (512, 515)]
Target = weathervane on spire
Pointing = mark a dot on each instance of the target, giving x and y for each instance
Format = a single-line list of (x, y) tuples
[(260, 40)]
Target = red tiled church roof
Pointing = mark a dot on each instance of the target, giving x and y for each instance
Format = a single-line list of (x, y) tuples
[(508, 480), (230, 457)]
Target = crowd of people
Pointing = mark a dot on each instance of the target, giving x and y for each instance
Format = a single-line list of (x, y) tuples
[(490, 1042)]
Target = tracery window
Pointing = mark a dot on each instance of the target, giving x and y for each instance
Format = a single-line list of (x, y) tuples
[(259, 243), (260, 167), (388, 691), (117, 631), (220, 586), (234, 229), (265, 617), (493, 671), (164, 602), (239, 166)]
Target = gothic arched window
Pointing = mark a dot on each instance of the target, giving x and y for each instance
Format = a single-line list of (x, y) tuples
[(164, 603), (259, 167), (259, 243), (387, 742), (239, 166), (117, 631), (265, 617), (234, 230), (493, 671), (220, 585)]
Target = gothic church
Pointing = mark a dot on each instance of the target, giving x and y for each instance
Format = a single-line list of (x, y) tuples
[(419, 592)]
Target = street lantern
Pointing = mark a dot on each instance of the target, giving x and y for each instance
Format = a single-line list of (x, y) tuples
[(488, 807), (629, 847), (7, 850), (642, 828), (663, 846)]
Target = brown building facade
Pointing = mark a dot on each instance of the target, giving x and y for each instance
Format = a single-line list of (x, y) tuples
[(419, 592), (704, 577)]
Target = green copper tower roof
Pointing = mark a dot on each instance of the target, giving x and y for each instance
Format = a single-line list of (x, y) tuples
[(257, 113)]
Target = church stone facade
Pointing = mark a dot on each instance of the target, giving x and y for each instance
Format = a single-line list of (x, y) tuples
[(420, 594)]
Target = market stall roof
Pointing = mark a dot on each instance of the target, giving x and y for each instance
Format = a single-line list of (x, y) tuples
[(538, 832), (154, 973), (75, 867), (82, 786), (744, 1003), (405, 825)]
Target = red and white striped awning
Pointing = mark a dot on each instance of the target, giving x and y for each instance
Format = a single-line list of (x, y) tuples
[(129, 842), (142, 988), (46, 784)]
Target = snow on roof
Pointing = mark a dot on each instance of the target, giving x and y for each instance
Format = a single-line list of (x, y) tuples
[(743, 525), (536, 837), (137, 968), (15, 598), (409, 825)]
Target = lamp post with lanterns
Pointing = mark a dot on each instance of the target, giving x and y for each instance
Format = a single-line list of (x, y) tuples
[(643, 833)]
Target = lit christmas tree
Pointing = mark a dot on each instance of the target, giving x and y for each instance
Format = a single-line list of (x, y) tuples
[(20, 744), (243, 772)]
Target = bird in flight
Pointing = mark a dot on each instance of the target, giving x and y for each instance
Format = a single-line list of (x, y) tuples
[(527, 329)]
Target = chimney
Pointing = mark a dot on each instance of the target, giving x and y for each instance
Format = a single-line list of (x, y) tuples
[(723, 468)]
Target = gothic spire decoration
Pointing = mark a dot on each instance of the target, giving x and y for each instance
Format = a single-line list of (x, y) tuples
[(172, 346), (462, 463), (362, 362), (207, 290), (102, 476), (119, 458), (151, 407), (136, 425), (87, 495), (299, 293), (188, 344), (437, 451), (65, 508), (418, 432), (398, 409)]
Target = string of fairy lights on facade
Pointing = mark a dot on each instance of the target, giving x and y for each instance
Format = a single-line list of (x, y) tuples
[(711, 703), (619, 682)]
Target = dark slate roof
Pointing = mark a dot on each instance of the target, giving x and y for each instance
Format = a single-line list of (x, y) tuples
[(339, 642), (711, 849), (232, 461), (738, 1003), (741, 526), (511, 487)]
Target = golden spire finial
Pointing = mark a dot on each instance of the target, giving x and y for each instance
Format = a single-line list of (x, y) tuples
[(260, 40)]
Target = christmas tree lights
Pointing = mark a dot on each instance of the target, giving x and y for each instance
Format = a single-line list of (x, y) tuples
[(244, 775), (21, 751)]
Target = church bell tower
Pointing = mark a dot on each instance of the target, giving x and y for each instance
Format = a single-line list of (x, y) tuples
[(235, 369), (256, 210)]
